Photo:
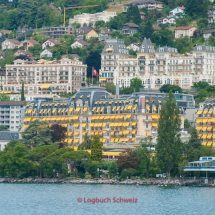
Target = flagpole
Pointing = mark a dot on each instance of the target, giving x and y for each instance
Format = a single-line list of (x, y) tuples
[(92, 75)]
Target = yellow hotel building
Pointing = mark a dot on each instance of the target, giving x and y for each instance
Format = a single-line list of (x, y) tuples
[(94, 111), (205, 123)]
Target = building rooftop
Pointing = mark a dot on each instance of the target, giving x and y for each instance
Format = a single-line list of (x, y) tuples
[(9, 135)]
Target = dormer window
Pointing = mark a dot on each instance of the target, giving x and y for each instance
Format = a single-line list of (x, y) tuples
[(110, 46)]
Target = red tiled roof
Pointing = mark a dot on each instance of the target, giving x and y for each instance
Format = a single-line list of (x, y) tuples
[(14, 41), (184, 28), (131, 25), (34, 42), (54, 41)]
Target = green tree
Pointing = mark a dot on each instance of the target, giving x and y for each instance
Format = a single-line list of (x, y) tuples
[(163, 38), (23, 92), (186, 124), (96, 149), (145, 154), (193, 146), (196, 8), (58, 133), (110, 87), (169, 147), (4, 97), (136, 85), (166, 88), (3, 128), (113, 169), (133, 14), (37, 134), (86, 144)]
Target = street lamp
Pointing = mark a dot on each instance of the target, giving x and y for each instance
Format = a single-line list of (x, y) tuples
[(98, 172)]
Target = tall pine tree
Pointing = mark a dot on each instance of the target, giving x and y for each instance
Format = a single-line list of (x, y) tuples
[(23, 92), (96, 149), (169, 147), (133, 14)]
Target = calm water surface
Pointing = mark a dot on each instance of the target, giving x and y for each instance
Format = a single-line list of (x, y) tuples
[(55, 199)]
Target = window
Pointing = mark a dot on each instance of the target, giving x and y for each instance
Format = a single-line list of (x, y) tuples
[(147, 117), (11, 121), (12, 111), (17, 117), (12, 117), (12, 107), (17, 111), (147, 125), (17, 121)]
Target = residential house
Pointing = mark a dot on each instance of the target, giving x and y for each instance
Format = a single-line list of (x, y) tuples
[(133, 46), (184, 31), (211, 15), (149, 4), (88, 32), (24, 53), (208, 33), (71, 56), (56, 32), (50, 43), (178, 12), (156, 27), (142, 15), (104, 34), (46, 53), (55, 8), (29, 43), (10, 44), (6, 137), (4, 32), (2, 77), (167, 20), (11, 113), (129, 29), (1, 54), (86, 18), (79, 44)]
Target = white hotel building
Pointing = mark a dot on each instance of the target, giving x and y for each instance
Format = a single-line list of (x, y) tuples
[(61, 76), (156, 67)]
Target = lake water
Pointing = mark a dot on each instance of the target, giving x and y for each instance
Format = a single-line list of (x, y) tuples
[(62, 199)]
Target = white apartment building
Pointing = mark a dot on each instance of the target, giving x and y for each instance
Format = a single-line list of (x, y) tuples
[(42, 77), (92, 18), (11, 114), (157, 67)]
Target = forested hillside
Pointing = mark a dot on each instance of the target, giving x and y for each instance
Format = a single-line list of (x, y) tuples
[(38, 13)]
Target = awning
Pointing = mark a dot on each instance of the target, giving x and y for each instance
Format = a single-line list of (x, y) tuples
[(154, 108), (85, 109), (134, 123), (198, 128), (109, 50), (104, 124), (129, 107), (76, 141), (77, 109), (204, 128), (128, 116), (204, 136), (199, 120), (125, 124), (205, 120), (126, 132), (209, 128), (199, 112), (154, 124), (76, 125), (112, 133), (209, 143), (71, 109), (147, 133), (46, 86), (155, 117), (205, 111), (210, 111), (134, 131), (27, 119), (147, 108), (102, 79), (84, 125), (204, 143), (120, 124), (209, 136), (76, 133)]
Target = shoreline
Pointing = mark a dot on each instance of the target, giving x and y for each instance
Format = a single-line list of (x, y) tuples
[(137, 182)]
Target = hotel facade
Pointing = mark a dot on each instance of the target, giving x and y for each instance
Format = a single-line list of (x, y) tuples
[(156, 67), (40, 77), (205, 122), (94, 111)]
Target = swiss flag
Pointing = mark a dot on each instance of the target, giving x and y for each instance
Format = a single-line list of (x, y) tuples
[(94, 72)]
